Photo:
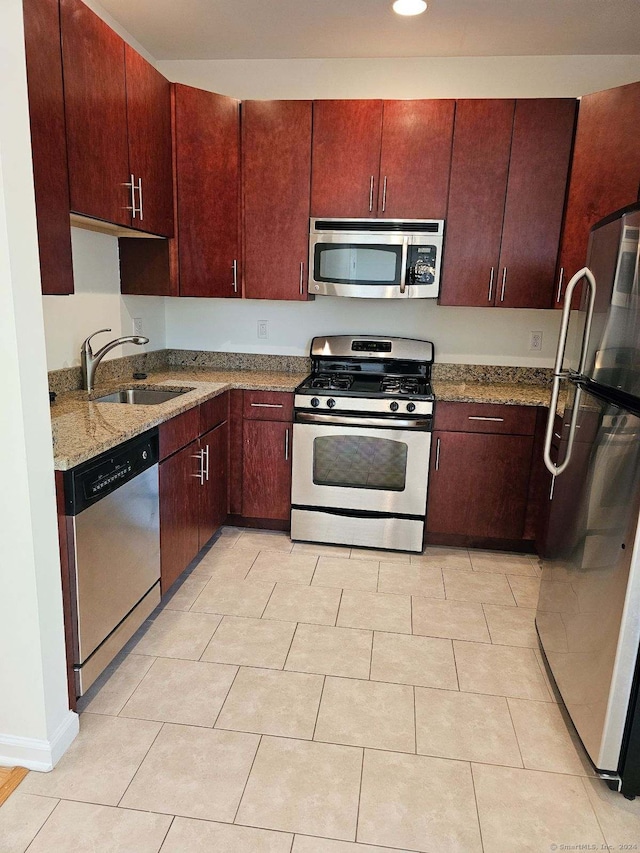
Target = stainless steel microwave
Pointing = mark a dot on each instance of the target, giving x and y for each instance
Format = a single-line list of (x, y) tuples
[(375, 258)]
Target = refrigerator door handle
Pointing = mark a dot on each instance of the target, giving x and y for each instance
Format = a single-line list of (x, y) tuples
[(559, 374), (585, 272), (551, 467)]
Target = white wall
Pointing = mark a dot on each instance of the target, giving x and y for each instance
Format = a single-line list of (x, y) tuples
[(422, 77), (460, 335), (36, 725), (98, 304)]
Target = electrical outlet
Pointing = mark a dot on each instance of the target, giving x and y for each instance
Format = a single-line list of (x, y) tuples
[(263, 329), (137, 325), (535, 341)]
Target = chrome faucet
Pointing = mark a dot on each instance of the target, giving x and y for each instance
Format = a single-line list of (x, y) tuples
[(91, 360)]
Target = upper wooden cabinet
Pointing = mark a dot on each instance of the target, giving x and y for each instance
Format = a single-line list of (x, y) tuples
[(508, 183), (415, 159), (605, 174), (100, 87), (207, 158), (48, 143), (388, 159), (276, 175), (149, 138)]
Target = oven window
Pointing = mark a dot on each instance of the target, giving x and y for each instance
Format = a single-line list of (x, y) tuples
[(360, 462), (357, 263)]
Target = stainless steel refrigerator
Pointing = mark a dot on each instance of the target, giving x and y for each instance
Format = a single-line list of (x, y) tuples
[(588, 615)]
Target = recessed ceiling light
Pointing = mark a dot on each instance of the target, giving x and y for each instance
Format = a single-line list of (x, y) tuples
[(409, 7)]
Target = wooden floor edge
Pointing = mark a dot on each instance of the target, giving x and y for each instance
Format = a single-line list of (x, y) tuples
[(16, 775)]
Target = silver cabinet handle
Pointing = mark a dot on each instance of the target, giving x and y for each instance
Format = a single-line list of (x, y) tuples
[(301, 278), (553, 485), (560, 278), (268, 405), (132, 188), (504, 284), (140, 199), (437, 465), (483, 418), (490, 296), (370, 193), (200, 474), (384, 194), (234, 267), (206, 457), (286, 444)]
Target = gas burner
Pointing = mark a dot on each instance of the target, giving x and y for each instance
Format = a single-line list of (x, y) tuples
[(399, 385), (332, 382)]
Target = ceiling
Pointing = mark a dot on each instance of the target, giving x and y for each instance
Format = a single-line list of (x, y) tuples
[(285, 29)]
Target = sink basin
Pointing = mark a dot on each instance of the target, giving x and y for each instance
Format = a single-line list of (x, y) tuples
[(141, 396)]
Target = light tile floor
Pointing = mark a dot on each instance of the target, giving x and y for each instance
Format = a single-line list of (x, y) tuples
[(317, 699)]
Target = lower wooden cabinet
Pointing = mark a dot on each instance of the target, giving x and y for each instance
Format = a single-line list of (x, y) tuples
[(193, 485), (479, 487), (266, 469), (179, 513), (480, 472)]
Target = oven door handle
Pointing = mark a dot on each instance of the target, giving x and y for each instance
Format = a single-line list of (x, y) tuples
[(348, 420)]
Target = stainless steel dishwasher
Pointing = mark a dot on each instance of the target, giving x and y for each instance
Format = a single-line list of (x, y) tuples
[(112, 503)]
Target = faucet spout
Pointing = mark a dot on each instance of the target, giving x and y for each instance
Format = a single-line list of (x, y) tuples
[(90, 360)]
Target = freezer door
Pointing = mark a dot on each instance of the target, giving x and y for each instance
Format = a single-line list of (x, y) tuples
[(588, 615), (613, 354)]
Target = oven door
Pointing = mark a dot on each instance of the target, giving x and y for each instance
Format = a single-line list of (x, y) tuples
[(340, 463)]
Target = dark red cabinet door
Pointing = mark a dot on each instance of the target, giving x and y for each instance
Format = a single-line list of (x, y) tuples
[(276, 176), (473, 230), (415, 159), (149, 133), (346, 157), (179, 513), (96, 115), (213, 493), (605, 174), (266, 469), (480, 486), (48, 143), (207, 143), (536, 189)]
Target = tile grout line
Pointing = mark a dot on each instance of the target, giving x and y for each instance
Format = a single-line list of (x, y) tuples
[(44, 823), (475, 797), (246, 781), (315, 725), (373, 639), (486, 622), (173, 817), (224, 701), (585, 785), (134, 691), (355, 837), (415, 722), (162, 725), (515, 731)]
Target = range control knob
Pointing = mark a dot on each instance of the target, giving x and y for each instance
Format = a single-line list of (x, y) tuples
[(411, 407), (331, 402), (394, 406), (315, 402)]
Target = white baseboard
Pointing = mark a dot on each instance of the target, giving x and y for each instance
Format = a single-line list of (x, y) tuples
[(36, 753)]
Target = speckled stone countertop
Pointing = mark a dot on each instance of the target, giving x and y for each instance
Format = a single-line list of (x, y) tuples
[(83, 428), (506, 393)]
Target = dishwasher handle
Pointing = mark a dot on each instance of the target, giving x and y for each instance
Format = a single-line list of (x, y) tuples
[(90, 482)]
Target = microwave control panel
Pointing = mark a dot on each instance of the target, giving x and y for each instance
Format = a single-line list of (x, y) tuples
[(422, 264)]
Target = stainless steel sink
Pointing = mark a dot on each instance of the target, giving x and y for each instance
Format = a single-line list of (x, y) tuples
[(141, 396)]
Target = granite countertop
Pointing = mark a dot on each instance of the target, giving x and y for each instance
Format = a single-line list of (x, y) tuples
[(83, 428)]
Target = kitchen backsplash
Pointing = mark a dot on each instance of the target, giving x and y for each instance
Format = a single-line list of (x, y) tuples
[(122, 369)]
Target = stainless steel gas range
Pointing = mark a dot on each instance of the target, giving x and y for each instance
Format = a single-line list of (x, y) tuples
[(361, 443)]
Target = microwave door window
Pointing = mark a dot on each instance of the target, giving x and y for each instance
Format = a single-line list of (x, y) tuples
[(358, 263)]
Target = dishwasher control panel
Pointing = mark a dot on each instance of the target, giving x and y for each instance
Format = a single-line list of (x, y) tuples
[(93, 480)]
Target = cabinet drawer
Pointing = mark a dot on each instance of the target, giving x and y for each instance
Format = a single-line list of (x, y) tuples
[(179, 431), (485, 417), (268, 406), (214, 412)]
